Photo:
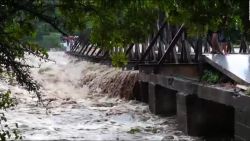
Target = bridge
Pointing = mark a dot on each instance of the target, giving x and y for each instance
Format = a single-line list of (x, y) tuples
[(170, 69)]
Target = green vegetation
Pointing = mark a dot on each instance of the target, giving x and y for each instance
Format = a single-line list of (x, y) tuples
[(5, 131), (210, 77), (125, 22), (119, 59), (46, 36), (50, 41), (130, 21)]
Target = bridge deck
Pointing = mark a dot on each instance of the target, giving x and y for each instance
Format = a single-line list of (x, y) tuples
[(235, 66)]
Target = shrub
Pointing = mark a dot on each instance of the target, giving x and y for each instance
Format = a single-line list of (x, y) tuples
[(210, 77), (119, 59)]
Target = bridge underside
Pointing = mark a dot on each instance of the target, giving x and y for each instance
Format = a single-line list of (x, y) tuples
[(202, 110)]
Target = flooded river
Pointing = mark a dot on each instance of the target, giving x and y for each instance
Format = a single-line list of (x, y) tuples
[(81, 111)]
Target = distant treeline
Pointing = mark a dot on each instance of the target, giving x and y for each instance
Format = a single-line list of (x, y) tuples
[(46, 36)]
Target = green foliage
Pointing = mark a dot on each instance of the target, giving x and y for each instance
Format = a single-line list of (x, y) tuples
[(16, 25), (6, 101), (121, 22), (119, 59), (118, 23), (210, 77), (7, 132), (45, 36), (52, 40)]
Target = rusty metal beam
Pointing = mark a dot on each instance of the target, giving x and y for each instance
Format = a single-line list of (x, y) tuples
[(153, 42), (129, 48), (172, 44), (95, 48), (243, 46), (74, 45), (81, 50), (90, 47), (85, 48), (198, 49), (99, 52)]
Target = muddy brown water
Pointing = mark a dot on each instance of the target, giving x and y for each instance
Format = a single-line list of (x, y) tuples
[(78, 110)]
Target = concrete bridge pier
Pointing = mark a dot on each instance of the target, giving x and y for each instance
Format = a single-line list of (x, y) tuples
[(162, 101), (199, 117), (143, 92), (242, 123), (195, 116), (201, 110)]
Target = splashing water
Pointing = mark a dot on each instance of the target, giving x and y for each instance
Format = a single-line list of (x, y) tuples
[(77, 94)]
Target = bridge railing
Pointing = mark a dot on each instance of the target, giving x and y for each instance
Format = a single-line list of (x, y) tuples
[(169, 44)]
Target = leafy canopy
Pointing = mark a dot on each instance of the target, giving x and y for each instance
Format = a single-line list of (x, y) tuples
[(121, 22)]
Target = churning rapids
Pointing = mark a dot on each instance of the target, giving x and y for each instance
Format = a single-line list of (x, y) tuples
[(78, 108)]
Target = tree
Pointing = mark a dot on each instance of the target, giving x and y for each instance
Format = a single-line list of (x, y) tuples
[(46, 36), (113, 23), (130, 21)]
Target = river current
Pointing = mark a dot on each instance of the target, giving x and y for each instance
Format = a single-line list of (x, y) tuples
[(82, 111)]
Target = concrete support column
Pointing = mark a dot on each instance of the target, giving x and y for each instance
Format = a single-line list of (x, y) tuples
[(242, 124), (162, 101), (182, 113), (142, 93), (199, 117)]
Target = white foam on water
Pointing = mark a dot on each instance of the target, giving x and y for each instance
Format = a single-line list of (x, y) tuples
[(78, 112)]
